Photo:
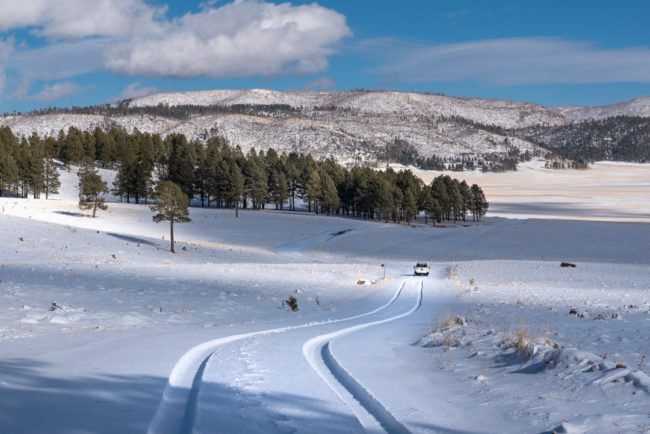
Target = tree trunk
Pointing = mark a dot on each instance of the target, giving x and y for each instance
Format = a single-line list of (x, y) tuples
[(171, 231), (94, 209), (236, 208)]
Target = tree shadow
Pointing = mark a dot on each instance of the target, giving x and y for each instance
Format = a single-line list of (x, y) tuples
[(131, 239), (33, 402), (72, 214)]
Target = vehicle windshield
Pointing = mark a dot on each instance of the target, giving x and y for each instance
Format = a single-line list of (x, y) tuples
[(421, 265)]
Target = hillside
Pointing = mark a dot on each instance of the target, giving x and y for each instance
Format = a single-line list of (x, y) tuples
[(352, 127), (639, 107), (368, 127)]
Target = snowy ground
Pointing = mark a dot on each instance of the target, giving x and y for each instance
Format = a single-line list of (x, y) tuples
[(103, 330), (606, 191)]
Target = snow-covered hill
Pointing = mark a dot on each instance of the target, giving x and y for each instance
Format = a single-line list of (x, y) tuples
[(577, 113), (501, 113), (351, 127)]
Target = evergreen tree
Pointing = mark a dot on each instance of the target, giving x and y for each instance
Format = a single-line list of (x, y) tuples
[(329, 197), (91, 191), (441, 206), (293, 177), (142, 180), (72, 150), (480, 204), (171, 205), (279, 188), (8, 173), (455, 198), (35, 167), (409, 205), (182, 160), (202, 175), (466, 194), (237, 186), (313, 189), (51, 181), (256, 182), (424, 202)]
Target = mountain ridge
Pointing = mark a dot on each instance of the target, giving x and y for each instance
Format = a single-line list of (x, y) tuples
[(353, 127), (639, 107)]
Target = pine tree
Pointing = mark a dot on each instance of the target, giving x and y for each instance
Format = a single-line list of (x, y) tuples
[(409, 205), (237, 186), (455, 198), (72, 150), (8, 173), (91, 191), (171, 205), (293, 177), (466, 194), (480, 203), (279, 188), (51, 181), (256, 182), (313, 189), (329, 197), (182, 161)]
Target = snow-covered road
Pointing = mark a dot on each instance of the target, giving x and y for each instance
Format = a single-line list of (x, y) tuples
[(259, 381)]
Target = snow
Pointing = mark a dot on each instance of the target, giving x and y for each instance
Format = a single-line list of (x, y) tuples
[(103, 330), (490, 112), (351, 127), (636, 107), (606, 191)]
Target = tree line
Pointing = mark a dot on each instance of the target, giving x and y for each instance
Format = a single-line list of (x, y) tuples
[(619, 138), (214, 174)]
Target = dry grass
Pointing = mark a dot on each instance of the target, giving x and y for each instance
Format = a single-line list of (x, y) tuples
[(522, 339)]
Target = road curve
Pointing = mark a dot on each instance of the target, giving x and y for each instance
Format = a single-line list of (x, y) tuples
[(371, 413), (175, 413)]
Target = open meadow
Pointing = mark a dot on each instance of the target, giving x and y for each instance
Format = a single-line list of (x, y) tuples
[(102, 329)]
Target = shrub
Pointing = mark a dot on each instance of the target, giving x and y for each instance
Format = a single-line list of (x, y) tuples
[(291, 302)]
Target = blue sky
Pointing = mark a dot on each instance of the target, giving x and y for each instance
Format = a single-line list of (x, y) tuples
[(76, 52)]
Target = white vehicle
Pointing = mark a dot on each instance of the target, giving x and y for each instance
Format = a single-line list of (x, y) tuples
[(421, 269)]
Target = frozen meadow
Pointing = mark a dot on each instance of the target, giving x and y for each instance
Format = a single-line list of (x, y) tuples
[(103, 330)]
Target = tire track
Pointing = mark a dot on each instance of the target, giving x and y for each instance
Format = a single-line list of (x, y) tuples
[(177, 409), (371, 413)]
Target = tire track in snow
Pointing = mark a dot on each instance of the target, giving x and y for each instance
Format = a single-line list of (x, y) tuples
[(177, 409), (371, 413)]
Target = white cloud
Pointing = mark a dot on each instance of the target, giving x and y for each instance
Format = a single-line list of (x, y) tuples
[(509, 62), (324, 83), (75, 19), (244, 38), (57, 91), (135, 90), (134, 38)]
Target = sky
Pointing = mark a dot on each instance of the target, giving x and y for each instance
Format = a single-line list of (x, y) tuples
[(76, 52)]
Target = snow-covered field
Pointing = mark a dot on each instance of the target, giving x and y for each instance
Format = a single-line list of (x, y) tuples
[(606, 191), (103, 330)]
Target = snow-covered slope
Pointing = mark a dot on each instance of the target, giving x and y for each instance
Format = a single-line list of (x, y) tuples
[(352, 127), (636, 107), (103, 330), (501, 113)]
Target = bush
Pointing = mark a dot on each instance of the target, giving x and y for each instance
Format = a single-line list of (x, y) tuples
[(292, 303)]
